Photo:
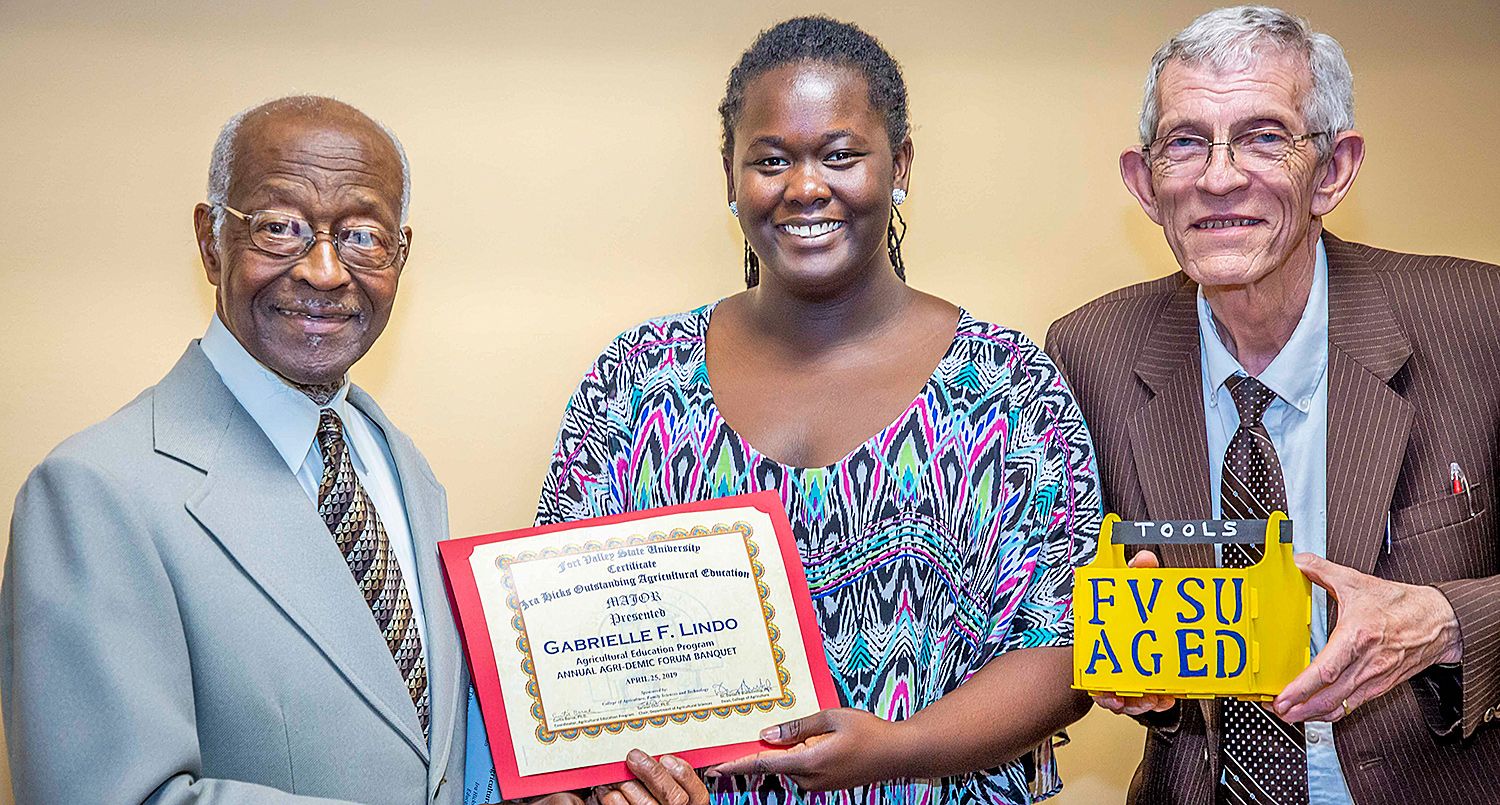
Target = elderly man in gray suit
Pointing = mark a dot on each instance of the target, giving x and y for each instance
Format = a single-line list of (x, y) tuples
[(228, 591)]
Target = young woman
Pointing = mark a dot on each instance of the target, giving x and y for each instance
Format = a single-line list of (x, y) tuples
[(935, 468)]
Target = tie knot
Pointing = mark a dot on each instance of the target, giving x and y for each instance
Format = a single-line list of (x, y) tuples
[(1251, 398), (330, 430)]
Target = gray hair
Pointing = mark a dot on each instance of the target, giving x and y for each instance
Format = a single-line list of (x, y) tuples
[(1234, 38), (221, 164)]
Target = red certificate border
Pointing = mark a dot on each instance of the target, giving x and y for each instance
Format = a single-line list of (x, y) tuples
[(463, 594)]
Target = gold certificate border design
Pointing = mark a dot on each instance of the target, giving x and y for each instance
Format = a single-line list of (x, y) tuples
[(786, 700)]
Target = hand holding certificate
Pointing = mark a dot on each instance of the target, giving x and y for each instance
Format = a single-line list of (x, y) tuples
[(684, 630)]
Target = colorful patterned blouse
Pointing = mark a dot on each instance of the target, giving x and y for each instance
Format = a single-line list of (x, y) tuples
[(944, 540)]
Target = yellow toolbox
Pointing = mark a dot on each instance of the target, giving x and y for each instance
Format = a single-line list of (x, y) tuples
[(1191, 632)]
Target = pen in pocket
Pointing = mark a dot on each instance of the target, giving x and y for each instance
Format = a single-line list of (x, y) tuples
[(1461, 486)]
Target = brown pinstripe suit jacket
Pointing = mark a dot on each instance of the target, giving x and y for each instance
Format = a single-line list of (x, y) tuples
[(1413, 384)]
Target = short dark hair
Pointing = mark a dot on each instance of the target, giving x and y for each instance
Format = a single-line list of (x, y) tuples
[(819, 39)]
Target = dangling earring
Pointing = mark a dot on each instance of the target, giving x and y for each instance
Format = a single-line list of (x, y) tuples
[(897, 196), (752, 263), (893, 240), (752, 267)]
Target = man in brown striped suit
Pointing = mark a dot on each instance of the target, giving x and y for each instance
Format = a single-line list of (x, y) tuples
[(1285, 368)]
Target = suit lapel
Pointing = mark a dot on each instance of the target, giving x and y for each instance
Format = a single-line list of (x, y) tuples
[(427, 516), (1368, 421), (1167, 436), (1170, 442), (260, 515)]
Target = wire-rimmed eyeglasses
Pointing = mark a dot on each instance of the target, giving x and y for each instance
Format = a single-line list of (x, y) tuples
[(1254, 151), (282, 234)]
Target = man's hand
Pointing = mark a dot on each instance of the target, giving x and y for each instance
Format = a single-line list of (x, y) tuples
[(668, 781), (1387, 633), (1151, 702), (827, 750)]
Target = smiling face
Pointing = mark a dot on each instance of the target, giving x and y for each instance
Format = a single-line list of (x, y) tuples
[(812, 173), (309, 318), (1226, 226)]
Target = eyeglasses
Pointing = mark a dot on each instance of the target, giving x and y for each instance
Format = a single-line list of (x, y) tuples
[(1254, 151), (281, 234)]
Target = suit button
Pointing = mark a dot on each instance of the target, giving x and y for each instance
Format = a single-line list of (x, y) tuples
[(1489, 715)]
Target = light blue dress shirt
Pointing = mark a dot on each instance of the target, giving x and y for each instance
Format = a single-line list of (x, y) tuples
[(1297, 421), (290, 420)]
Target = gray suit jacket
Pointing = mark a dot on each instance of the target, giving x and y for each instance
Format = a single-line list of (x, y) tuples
[(177, 625)]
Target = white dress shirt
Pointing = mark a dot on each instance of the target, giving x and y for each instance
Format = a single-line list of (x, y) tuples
[(1297, 421)]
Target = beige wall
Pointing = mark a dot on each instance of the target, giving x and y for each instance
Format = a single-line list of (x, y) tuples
[(567, 184)]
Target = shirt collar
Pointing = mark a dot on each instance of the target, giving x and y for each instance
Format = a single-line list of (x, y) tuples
[(1295, 372), (288, 417)]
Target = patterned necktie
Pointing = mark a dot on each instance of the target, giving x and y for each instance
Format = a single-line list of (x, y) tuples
[(1265, 759), (349, 513)]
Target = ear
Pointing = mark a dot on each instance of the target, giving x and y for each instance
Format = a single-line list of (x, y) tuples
[(901, 164), (1137, 176), (1336, 175), (406, 252), (208, 252)]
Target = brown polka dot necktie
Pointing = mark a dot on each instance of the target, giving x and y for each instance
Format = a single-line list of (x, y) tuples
[(1264, 758), (350, 515)]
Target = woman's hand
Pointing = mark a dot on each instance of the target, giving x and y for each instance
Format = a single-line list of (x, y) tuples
[(668, 781), (1005, 709), (828, 750)]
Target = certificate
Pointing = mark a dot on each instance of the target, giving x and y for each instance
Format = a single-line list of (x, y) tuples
[(686, 629)]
